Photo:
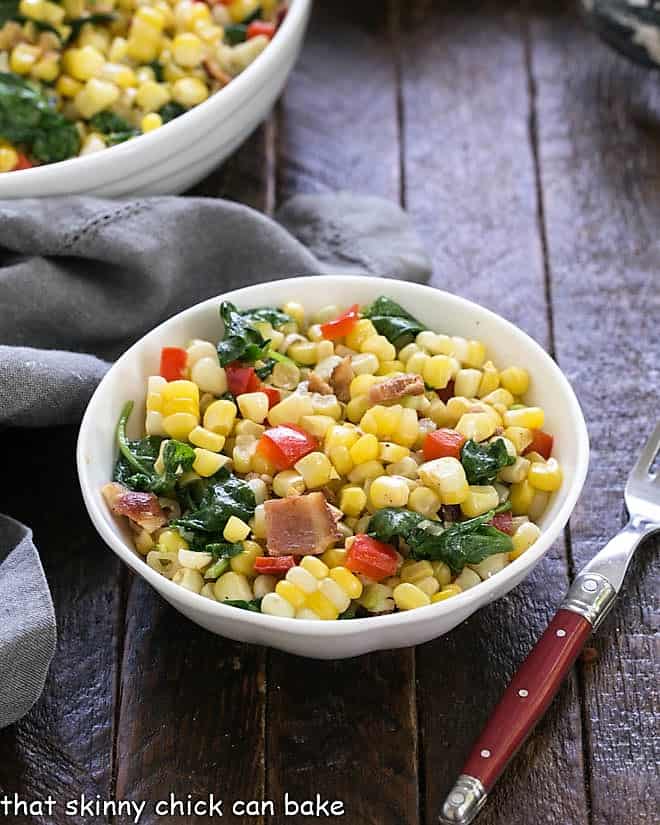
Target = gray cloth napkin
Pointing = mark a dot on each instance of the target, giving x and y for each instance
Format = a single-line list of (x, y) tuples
[(82, 278)]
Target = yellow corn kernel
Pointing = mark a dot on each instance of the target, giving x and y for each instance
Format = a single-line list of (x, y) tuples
[(321, 605), (408, 597), (520, 437), (150, 122), (438, 370), (417, 362), (365, 363), (477, 426), (389, 368), (441, 572), (364, 449), (357, 407), (67, 87), (429, 585), (467, 382), (409, 350), (239, 10), (389, 491), (34, 9), (180, 425), (253, 405), (84, 63), (304, 352), (291, 409), (545, 476), (47, 68), (447, 477), (189, 579), (152, 96), (144, 42), (288, 483), (361, 384), (235, 530), (296, 311), (523, 539), (516, 472), (243, 452), (315, 566), (232, 586), (180, 396), (143, 543), (414, 571), (326, 405), (117, 73), (23, 58), (290, 593), (358, 335), (316, 469), (220, 416), (243, 562), (274, 605), (336, 596), (521, 497), (408, 430), (8, 158), (190, 91), (530, 417), (515, 380), (341, 435), (388, 452), (446, 593), (317, 425), (352, 501), (479, 500), (341, 460), (335, 557), (118, 49), (349, 583), (207, 463), (188, 50), (475, 354), (379, 346), (171, 541), (258, 522), (206, 439), (490, 379), (425, 501), (96, 96), (365, 472), (533, 457)]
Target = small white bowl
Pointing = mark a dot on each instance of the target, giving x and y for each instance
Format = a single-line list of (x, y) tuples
[(180, 153), (442, 312)]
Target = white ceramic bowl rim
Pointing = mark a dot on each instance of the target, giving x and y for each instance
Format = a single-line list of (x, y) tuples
[(235, 93), (479, 594)]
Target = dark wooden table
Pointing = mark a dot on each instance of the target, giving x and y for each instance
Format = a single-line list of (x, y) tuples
[(528, 156)]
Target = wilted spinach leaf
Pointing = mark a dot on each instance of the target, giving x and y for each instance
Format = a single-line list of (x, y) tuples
[(269, 315), (95, 18), (482, 462), (392, 321), (8, 10), (171, 110), (28, 118), (241, 342), (254, 605), (225, 496), (114, 127), (393, 522)]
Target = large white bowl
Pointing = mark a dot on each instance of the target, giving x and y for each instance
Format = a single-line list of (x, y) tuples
[(179, 154), (324, 640)]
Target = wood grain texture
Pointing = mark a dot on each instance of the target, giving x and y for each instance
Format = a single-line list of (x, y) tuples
[(345, 730), (338, 116), (471, 188), (599, 150), (64, 746), (192, 714)]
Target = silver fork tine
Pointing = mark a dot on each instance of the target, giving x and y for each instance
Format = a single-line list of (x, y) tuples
[(641, 469)]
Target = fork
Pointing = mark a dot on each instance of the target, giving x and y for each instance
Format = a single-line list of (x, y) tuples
[(532, 689)]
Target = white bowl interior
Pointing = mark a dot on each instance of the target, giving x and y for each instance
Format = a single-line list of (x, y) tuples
[(441, 312)]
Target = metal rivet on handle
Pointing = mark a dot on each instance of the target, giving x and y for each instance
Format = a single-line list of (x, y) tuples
[(457, 798), (485, 753), (590, 585)]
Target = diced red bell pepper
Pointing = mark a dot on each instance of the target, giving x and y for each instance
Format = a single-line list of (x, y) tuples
[(241, 379), (372, 558), (342, 325), (504, 522), (541, 443), (273, 565), (447, 393), (173, 363), (273, 395), (443, 443), (23, 163), (257, 27), (285, 444)]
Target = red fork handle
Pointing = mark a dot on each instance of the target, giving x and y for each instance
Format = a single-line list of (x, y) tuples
[(524, 702)]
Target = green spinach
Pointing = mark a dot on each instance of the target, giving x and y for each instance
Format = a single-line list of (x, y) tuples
[(224, 496), (392, 321), (114, 127), (254, 605), (28, 118), (460, 544), (96, 18), (268, 315), (8, 10), (241, 342), (482, 462), (235, 33), (171, 110)]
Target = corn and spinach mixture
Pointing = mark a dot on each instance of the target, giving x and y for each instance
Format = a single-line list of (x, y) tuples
[(77, 76), (352, 464)]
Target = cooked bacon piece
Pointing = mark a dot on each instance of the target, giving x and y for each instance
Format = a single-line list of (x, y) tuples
[(214, 70), (340, 379), (299, 526), (397, 387), (316, 384), (142, 508)]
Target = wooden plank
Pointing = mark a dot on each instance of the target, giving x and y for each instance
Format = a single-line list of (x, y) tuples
[(471, 189), (347, 729), (192, 704), (64, 746), (598, 147)]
